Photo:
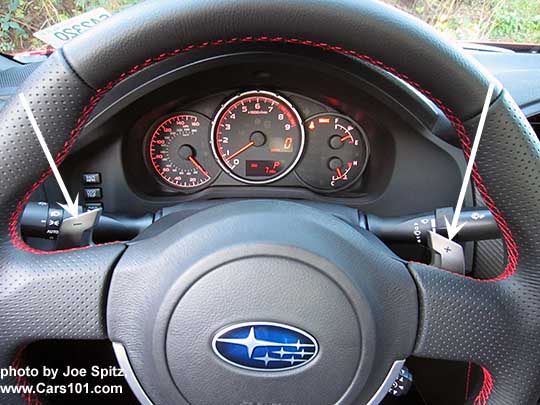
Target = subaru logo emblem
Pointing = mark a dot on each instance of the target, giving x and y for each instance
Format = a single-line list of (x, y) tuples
[(265, 346)]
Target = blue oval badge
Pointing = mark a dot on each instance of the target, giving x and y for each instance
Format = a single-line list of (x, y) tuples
[(265, 346)]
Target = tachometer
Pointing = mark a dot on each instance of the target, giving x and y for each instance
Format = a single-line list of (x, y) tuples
[(179, 151), (257, 137)]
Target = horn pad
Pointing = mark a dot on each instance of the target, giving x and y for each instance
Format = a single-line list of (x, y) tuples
[(261, 302), (263, 291)]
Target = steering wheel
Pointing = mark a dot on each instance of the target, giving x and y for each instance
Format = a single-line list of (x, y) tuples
[(169, 298)]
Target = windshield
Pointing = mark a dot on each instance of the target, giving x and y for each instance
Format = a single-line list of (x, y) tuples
[(511, 21)]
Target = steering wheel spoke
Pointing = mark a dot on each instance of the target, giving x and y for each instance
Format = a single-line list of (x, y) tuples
[(54, 296), (60, 295), (472, 320), (460, 318)]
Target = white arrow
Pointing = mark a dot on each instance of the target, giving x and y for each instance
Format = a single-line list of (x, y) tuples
[(71, 206), (453, 228)]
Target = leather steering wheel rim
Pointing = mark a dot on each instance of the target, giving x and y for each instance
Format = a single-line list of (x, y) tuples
[(494, 323)]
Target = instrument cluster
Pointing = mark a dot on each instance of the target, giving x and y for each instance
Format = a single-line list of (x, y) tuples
[(257, 137)]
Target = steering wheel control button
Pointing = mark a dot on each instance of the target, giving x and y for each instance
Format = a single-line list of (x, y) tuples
[(268, 346), (403, 383), (91, 178), (92, 193), (446, 254), (77, 231)]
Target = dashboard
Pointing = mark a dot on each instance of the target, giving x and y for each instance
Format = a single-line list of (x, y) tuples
[(255, 124), (257, 137), (274, 123)]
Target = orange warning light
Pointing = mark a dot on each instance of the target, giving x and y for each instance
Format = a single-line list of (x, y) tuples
[(324, 120), (311, 125)]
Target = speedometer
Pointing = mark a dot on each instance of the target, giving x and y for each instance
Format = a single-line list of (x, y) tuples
[(257, 137), (179, 151)]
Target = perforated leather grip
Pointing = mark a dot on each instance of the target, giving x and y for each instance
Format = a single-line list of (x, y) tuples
[(495, 323), (44, 296)]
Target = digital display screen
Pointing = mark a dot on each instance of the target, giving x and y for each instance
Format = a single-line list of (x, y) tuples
[(262, 168), (280, 145)]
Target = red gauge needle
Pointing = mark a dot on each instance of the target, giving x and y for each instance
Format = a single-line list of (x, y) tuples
[(198, 166), (241, 150), (338, 171), (344, 138)]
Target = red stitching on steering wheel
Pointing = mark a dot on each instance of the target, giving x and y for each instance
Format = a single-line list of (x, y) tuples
[(487, 387), (464, 138)]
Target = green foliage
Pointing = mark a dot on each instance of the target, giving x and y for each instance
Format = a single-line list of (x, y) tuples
[(10, 27), (19, 19), (519, 20), (485, 20), (503, 20)]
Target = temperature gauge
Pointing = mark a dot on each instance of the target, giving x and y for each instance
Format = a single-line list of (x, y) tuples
[(337, 152)]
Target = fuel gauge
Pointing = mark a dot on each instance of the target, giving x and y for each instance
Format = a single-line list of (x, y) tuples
[(337, 152)]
